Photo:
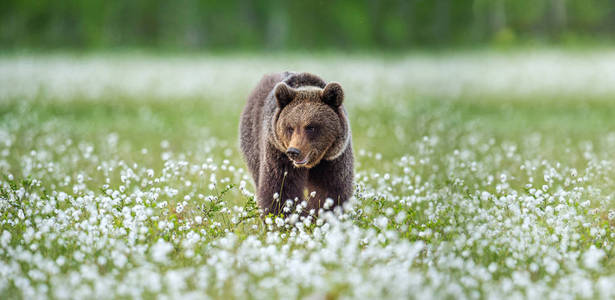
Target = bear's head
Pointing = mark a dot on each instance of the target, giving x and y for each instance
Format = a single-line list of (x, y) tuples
[(311, 124)]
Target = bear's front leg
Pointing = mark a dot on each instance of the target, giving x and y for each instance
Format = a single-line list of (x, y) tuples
[(278, 176), (331, 179)]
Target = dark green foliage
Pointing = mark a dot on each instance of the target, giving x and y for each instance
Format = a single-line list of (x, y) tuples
[(301, 25)]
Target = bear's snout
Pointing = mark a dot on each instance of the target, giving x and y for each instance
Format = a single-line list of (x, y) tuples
[(293, 152)]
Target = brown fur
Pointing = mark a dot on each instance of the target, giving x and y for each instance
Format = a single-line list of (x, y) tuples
[(297, 110)]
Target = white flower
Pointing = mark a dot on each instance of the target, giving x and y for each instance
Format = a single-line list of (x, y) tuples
[(160, 250), (328, 203), (592, 258), (381, 222), (5, 239)]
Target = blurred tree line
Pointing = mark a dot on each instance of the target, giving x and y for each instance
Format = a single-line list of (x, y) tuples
[(316, 24)]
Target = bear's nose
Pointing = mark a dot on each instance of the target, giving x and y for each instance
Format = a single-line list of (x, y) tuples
[(293, 152)]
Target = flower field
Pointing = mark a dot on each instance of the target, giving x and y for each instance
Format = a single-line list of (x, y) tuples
[(478, 176)]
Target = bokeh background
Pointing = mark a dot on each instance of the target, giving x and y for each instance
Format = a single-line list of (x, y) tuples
[(302, 25)]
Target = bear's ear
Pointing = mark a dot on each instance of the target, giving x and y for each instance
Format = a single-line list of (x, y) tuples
[(284, 94), (333, 94)]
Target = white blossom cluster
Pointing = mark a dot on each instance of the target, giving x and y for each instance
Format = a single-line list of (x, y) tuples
[(549, 73), (460, 215)]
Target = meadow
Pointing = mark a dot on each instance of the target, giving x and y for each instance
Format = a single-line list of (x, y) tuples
[(479, 175)]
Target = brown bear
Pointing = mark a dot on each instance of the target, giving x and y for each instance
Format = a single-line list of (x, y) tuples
[(296, 140)]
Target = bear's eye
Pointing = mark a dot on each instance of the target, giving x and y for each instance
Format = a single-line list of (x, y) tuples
[(289, 130), (310, 128)]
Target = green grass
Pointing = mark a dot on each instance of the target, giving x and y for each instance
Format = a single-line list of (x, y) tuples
[(144, 122), (436, 169)]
